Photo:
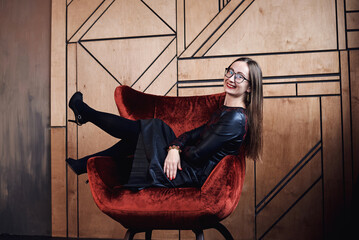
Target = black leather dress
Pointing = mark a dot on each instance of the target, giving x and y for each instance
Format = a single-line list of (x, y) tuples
[(202, 149)]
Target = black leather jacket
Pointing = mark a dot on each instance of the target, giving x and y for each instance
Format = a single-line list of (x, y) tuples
[(203, 147)]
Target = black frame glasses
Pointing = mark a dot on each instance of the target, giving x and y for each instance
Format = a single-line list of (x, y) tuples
[(238, 78)]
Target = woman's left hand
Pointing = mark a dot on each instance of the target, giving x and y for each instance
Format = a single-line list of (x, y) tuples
[(172, 162)]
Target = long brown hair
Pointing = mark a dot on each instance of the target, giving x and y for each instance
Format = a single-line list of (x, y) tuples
[(254, 105)]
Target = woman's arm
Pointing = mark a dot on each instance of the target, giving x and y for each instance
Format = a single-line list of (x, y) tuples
[(173, 160), (188, 137), (229, 126)]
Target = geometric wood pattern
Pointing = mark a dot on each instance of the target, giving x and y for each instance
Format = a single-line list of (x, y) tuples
[(275, 26), (309, 54)]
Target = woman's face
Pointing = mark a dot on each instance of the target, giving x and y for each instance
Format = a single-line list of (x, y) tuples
[(231, 86)]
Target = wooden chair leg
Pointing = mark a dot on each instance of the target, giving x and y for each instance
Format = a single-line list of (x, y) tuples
[(199, 234), (224, 231)]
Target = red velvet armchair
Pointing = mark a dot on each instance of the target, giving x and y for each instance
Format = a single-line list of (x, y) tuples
[(193, 209)]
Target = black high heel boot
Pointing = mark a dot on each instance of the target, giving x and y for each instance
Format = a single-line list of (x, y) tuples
[(78, 166), (73, 104)]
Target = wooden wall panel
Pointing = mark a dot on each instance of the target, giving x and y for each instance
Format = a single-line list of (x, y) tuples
[(272, 65), (58, 181), (180, 48), (76, 27), (303, 78), (354, 86), (333, 181), (72, 195), (282, 90), (352, 5), (77, 14), (93, 80), (217, 33), (213, 25), (353, 20), (129, 70), (198, 15), (165, 81), (58, 118), (302, 64), (353, 38), (295, 224), (180, 18), (165, 9), (151, 76), (319, 88), (279, 159), (199, 91), (275, 26), (341, 24), (173, 92), (352, 23), (58, 63), (304, 181), (114, 22), (347, 147)]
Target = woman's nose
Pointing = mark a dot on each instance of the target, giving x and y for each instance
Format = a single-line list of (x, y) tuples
[(231, 78)]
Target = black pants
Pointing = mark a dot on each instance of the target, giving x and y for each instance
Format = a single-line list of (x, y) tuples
[(118, 127)]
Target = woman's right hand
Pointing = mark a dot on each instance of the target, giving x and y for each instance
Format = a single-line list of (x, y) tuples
[(172, 163)]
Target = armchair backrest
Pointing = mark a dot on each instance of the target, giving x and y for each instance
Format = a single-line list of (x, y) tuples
[(180, 113)]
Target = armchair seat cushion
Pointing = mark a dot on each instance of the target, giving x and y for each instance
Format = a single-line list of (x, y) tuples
[(166, 208)]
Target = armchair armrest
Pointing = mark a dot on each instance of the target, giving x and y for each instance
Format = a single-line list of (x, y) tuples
[(223, 187), (104, 172)]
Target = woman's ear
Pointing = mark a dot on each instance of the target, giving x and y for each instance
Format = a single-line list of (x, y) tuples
[(249, 89)]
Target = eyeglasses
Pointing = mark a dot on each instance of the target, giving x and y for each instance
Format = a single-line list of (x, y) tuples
[(238, 78)]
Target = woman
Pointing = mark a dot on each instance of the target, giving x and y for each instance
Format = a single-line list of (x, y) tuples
[(191, 157)]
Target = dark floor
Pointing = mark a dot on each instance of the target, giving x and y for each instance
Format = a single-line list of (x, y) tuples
[(18, 237)]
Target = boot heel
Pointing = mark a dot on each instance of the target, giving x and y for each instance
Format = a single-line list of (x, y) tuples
[(73, 121)]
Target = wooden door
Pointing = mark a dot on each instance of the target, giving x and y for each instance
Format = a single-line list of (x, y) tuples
[(308, 51)]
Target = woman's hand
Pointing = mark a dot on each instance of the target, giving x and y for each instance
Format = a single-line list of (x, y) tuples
[(172, 162)]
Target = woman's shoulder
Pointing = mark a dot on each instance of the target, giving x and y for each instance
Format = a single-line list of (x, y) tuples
[(234, 113), (234, 117)]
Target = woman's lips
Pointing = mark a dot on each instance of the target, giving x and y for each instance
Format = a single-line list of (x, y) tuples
[(230, 85)]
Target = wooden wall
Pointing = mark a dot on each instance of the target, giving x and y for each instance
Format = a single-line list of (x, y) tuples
[(25, 190), (308, 51)]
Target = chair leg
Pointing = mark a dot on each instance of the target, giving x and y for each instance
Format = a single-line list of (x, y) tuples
[(199, 234), (129, 235), (148, 235), (224, 231)]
